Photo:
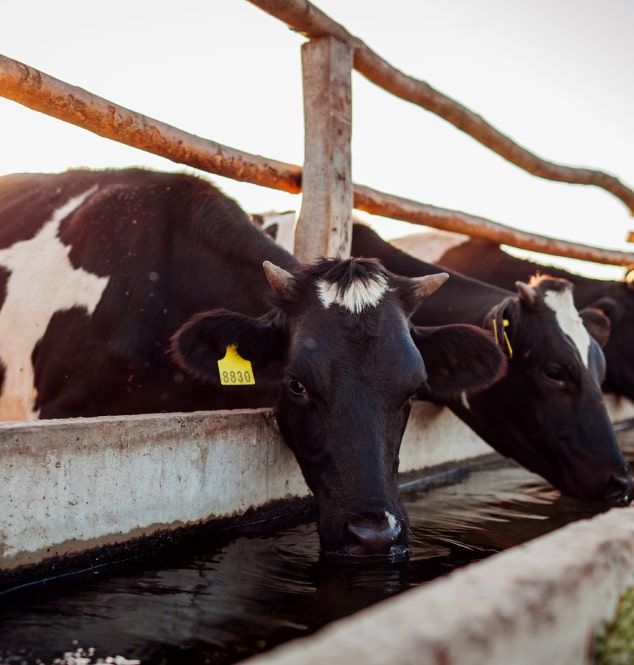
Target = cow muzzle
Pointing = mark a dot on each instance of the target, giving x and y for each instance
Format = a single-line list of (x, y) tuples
[(620, 488), (382, 535)]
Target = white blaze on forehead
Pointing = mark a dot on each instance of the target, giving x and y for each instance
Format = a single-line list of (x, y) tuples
[(562, 303), (359, 295), (42, 281)]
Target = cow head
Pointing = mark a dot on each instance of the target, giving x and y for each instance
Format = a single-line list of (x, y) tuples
[(560, 428), (346, 362)]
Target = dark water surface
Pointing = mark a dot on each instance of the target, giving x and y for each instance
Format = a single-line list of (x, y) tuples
[(225, 600)]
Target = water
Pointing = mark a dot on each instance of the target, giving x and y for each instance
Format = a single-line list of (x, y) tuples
[(223, 600)]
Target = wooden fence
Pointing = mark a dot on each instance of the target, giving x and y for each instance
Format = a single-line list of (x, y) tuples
[(325, 181)]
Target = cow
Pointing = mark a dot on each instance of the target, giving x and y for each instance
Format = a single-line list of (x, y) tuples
[(547, 412), (487, 261), (132, 291)]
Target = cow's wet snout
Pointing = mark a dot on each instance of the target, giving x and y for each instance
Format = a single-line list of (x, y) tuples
[(621, 487), (374, 535)]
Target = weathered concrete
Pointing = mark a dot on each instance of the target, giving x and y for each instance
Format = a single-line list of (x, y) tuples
[(70, 486), (536, 604)]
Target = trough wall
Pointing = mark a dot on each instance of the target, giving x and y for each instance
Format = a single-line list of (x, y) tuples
[(540, 603), (69, 487)]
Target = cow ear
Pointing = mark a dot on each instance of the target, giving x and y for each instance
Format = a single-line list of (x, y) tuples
[(501, 317), (458, 358), (597, 324), (201, 342), (610, 307)]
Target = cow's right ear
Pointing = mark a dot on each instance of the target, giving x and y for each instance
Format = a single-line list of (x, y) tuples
[(458, 358), (201, 342)]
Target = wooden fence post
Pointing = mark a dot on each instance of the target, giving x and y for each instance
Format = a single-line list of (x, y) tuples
[(324, 227)]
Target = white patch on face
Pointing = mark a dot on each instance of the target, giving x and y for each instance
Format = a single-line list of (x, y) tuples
[(42, 282), (285, 236), (391, 520), (562, 304), (360, 295), (429, 246)]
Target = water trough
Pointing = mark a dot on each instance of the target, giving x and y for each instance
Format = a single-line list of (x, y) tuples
[(79, 493)]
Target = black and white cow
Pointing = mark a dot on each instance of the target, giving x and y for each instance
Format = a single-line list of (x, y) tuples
[(106, 277), (489, 262), (547, 412)]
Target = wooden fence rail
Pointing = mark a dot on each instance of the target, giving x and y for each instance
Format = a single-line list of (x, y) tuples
[(304, 17), (41, 92)]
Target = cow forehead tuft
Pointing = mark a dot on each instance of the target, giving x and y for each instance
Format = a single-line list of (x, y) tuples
[(359, 294), (562, 304)]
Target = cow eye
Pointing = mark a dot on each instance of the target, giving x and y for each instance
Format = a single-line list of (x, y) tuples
[(554, 373), (297, 389)]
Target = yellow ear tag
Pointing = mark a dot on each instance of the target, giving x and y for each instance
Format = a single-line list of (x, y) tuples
[(234, 370), (506, 337)]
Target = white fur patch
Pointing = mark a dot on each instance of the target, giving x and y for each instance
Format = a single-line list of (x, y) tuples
[(429, 246), (285, 235), (562, 303), (391, 520), (42, 282), (360, 295)]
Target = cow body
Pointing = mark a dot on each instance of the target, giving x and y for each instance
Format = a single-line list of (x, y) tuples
[(121, 291), (547, 412), (487, 261)]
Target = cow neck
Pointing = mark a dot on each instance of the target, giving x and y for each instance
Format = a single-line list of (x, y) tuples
[(497, 266)]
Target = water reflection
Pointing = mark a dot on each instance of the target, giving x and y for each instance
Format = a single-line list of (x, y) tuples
[(224, 601)]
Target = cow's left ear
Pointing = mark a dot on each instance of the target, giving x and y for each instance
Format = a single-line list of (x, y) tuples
[(458, 358), (611, 307), (597, 324), (201, 342)]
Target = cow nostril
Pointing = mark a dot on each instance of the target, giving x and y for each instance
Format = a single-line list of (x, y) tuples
[(620, 487), (375, 536)]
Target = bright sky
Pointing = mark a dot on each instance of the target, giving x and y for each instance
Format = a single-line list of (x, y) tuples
[(555, 76)]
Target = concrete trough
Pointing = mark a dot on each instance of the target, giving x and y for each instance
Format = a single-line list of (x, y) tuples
[(71, 487), (68, 488)]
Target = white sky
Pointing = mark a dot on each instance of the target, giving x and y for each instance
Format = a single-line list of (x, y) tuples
[(555, 75)]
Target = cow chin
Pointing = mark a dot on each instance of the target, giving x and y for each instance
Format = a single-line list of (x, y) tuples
[(580, 478), (351, 527), (355, 484), (584, 463), (617, 488)]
